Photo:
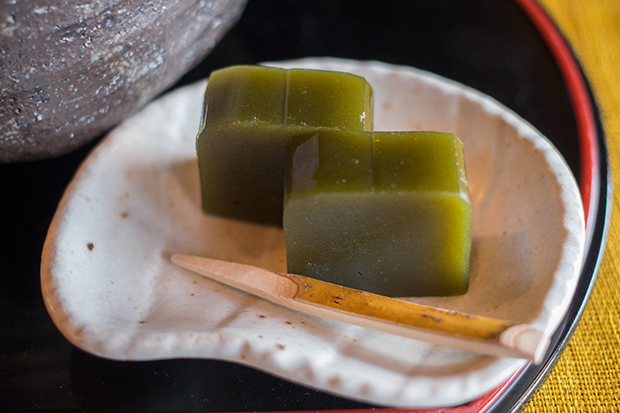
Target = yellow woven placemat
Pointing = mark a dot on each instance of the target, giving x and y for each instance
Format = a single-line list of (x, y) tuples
[(587, 376)]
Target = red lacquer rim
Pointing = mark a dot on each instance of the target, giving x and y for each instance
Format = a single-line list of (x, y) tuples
[(588, 147), (580, 100)]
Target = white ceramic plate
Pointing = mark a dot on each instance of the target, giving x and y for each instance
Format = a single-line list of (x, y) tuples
[(112, 291)]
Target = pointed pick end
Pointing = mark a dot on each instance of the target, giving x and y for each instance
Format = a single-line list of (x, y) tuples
[(526, 340)]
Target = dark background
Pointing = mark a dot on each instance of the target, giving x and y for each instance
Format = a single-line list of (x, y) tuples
[(489, 45)]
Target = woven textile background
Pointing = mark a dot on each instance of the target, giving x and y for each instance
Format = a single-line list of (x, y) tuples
[(587, 376)]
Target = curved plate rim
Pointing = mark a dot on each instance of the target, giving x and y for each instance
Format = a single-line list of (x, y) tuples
[(48, 251)]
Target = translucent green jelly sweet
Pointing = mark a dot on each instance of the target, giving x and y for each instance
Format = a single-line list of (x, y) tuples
[(386, 212), (250, 116)]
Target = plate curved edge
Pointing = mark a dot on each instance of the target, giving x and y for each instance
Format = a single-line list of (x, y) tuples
[(74, 330)]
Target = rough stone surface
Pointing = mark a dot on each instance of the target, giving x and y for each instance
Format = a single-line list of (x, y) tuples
[(72, 69)]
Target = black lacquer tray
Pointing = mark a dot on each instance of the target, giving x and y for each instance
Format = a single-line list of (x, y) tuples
[(507, 49)]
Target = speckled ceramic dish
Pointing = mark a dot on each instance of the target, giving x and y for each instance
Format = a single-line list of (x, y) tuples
[(111, 289)]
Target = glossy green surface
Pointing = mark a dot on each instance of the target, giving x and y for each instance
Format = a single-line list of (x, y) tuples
[(329, 162), (250, 94), (250, 116), (383, 212), (242, 170), (328, 99)]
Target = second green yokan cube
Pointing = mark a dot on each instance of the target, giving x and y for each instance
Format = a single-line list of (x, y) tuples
[(385, 212)]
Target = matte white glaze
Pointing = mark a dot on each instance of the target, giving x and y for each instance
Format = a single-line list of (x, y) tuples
[(111, 289)]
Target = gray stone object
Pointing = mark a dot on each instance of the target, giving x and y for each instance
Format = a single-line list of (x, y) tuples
[(69, 70)]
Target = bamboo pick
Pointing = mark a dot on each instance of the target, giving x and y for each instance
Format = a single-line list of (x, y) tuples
[(449, 328)]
